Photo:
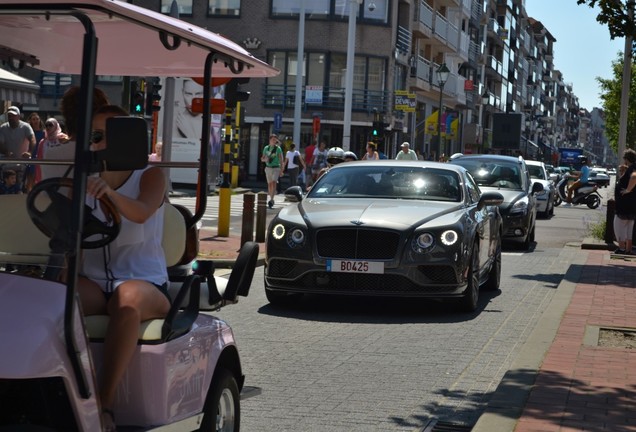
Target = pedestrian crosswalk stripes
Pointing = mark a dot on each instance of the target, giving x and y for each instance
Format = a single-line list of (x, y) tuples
[(212, 210)]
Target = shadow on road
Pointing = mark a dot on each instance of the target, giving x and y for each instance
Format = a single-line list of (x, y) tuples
[(375, 310)]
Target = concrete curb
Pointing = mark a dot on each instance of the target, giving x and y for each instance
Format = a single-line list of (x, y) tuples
[(508, 401)]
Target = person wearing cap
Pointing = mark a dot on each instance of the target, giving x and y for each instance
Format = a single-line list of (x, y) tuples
[(406, 153), (16, 136)]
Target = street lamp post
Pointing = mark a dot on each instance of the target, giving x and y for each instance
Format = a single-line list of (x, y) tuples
[(442, 77), (485, 99), (354, 6)]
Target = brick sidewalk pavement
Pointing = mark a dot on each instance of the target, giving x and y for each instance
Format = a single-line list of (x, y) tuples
[(583, 385)]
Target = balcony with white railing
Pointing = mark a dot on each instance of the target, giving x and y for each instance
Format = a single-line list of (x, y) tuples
[(440, 26), (425, 19), (422, 73), (464, 45), (452, 36), (466, 6), (473, 51)]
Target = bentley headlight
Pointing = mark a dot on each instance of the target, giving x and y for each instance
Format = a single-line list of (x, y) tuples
[(449, 237), (297, 236), (424, 241), (278, 232), (520, 206)]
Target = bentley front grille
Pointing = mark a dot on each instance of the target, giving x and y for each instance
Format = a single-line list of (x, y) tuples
[(357, 243)]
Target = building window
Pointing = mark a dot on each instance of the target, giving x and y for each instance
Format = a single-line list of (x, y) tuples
[(317, 9), (54, 85), (379, 13), (323, 9), (109, 78), (185, 7), (328, 71), (224, 8)]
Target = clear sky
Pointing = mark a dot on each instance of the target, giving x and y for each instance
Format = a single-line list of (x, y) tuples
[(583, 49)]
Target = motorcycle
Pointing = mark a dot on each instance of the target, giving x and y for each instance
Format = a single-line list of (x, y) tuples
[(586, 194)]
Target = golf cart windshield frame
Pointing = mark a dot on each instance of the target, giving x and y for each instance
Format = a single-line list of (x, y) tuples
[(172, 34)]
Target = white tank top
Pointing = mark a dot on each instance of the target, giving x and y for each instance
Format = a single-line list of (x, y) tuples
[(136, 253)]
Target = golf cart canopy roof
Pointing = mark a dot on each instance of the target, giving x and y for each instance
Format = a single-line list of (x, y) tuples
[(45, 34)]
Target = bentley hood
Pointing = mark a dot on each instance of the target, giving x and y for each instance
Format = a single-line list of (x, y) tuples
[(384, 213)]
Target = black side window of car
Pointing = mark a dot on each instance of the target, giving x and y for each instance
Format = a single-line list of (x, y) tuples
[(473, 189)]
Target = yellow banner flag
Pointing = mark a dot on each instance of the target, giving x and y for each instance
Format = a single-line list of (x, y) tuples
[(431, 123), (454, 128)]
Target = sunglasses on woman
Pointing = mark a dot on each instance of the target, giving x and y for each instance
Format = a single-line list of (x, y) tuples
[(97, 136), (49, 125)]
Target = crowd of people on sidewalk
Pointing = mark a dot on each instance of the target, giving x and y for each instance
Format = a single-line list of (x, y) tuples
[(303, 169)]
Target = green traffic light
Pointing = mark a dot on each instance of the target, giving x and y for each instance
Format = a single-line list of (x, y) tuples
[(375, 132), (137, 108)]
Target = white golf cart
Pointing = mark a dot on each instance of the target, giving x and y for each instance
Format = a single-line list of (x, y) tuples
[(186, 374)]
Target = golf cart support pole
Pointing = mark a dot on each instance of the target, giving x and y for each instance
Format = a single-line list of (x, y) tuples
[(83, 154), (202, 195)]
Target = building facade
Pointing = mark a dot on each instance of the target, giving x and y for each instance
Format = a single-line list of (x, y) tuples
[(499, 60)]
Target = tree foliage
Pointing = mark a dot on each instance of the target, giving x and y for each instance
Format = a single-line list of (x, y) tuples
[(610, 94), (614, 14)]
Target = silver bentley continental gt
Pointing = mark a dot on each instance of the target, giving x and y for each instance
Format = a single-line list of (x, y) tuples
[(387, 228)]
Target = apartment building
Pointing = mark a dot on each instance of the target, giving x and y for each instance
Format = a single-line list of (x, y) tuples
[(497, 58)]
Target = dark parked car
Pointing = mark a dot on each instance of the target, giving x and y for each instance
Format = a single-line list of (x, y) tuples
[(509, 176), (387, 228)]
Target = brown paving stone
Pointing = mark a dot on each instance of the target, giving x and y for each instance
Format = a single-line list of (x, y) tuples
[(599, 383)]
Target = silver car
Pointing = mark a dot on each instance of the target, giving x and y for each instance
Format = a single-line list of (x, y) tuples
[(387, 228)]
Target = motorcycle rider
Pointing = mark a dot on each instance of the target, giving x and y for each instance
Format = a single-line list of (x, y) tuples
[(335, 155), (582, 177)]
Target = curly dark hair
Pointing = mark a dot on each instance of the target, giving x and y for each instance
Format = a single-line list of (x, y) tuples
[(630, 155), (69, 106)]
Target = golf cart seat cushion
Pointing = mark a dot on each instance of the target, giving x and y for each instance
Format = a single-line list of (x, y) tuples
[(96, 326), (21, 242), (174, 235)]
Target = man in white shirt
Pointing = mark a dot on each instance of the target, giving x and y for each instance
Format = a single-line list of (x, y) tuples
[(406, 153)]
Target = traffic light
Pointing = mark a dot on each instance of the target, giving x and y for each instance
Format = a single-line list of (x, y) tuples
[(233, 92), (153, 97), (136, 99), (375, 131)]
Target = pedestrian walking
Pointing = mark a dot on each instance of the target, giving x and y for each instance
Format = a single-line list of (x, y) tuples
[(272, 156), (293, 164), (625, 205), (406, 153)]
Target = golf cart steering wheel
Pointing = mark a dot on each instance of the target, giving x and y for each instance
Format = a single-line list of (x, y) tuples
[(54, 219)]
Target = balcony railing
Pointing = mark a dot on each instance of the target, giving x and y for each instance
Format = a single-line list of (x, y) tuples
[(284, 96), (426, 14), (452, 36), (441, 26), (423, 70), (403, 43)]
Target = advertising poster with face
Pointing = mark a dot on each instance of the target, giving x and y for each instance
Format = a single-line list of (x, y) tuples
[(186, 132)]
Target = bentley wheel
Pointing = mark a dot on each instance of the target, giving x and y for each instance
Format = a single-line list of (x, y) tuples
[(470, 298)]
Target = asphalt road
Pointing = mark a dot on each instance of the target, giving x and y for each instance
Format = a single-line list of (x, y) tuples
[(354, 364)]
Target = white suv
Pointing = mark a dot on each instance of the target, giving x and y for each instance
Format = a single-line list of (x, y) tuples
[(545, 198)]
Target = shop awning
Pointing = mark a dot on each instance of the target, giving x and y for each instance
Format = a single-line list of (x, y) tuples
[(16, 89)]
